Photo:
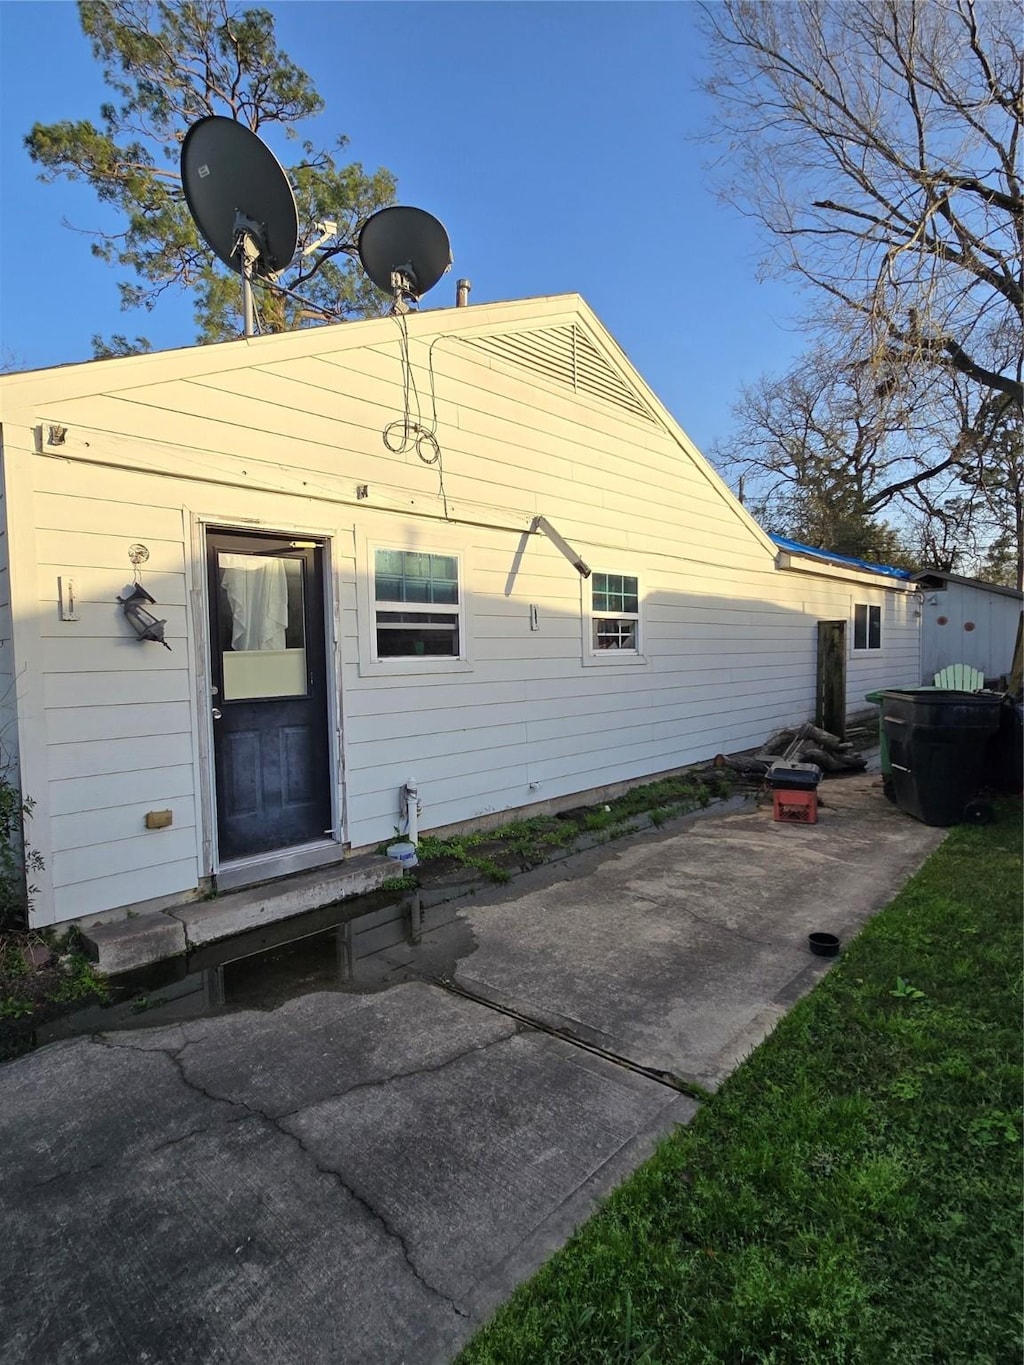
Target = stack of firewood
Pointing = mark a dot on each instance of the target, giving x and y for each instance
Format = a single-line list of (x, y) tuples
[(806, 744)]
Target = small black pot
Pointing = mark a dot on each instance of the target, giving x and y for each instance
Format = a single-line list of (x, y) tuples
[(825, 945)]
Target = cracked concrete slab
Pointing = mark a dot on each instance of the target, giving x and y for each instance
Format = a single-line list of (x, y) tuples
[(230, 1246), (488, 1105), (352, 1178), (89, 1106), (318, 1046), (363, 1178)]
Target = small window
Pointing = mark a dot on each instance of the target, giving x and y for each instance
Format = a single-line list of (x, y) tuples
[(416, 599), (615, 612), (262, 626), (867, 627)]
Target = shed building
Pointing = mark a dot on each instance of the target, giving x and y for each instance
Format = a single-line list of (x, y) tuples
[(966, 621)]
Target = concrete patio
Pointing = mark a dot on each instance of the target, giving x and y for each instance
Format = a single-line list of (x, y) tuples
[(363, 1176)]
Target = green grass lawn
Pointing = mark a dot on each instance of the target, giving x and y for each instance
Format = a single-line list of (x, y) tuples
[(853, 1192)]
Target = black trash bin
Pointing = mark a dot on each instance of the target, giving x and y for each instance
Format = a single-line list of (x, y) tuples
[(939, 744), (1006, 754)]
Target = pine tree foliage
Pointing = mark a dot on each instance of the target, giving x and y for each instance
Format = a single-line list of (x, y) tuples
[(168, 65)]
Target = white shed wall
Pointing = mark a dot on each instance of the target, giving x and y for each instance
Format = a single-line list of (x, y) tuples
[(279, 434), (987, 645)]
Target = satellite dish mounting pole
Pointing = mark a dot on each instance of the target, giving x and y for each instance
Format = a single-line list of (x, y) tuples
[(403, 286), (248, 324), (248, 250)]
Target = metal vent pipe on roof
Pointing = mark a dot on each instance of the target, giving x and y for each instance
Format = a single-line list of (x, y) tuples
[(462, 288)]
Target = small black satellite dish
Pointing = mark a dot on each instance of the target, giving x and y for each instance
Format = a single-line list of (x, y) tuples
[(405, 251), (239, 196)]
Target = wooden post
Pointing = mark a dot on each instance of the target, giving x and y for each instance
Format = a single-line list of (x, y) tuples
[(831, 689)]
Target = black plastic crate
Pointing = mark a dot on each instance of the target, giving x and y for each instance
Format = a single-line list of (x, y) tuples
[(793, 777)]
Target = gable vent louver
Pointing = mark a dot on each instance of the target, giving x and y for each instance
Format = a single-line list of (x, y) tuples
[(566, 356)]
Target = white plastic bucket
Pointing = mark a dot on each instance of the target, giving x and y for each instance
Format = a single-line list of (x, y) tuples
[(405, 854)]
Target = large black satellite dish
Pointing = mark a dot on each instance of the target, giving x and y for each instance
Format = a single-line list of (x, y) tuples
[(404, 250), (234, 184)]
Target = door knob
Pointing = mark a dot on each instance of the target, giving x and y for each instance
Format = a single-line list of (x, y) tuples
[(215, 713)]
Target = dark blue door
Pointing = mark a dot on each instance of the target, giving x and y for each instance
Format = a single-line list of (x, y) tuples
[(269, 683)]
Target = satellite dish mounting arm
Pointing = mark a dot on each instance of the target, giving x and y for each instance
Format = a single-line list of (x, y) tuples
[(561, 544), (249, 247)]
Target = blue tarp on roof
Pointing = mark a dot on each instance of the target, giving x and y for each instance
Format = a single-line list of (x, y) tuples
[(828, 557)]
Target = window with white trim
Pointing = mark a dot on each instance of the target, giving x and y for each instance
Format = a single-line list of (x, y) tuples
[(416, 605), (867, 626), (615, 613)]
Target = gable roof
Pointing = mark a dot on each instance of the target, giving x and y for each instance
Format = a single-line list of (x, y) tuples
[(558, 340), (934, 578)]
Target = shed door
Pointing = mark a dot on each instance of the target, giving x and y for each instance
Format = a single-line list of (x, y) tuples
[(269, 684), (831, 707)]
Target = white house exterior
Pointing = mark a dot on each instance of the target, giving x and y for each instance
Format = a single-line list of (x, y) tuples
[(965, 621), (346, 613)]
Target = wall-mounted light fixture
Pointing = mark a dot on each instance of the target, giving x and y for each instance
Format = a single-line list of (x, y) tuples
[(143, 622)]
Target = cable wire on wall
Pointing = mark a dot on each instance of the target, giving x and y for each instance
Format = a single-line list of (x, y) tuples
[(413, 433)]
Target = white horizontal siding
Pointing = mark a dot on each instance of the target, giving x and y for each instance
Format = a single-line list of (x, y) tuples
[(283, 440), (89, 828), (134, 887), (137, 790), (80, 690), (8, 710), (131, 720), (142, 852)]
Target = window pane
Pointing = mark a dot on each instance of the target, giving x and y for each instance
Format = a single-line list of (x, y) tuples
[(615, 592), (874, 628), (413, 576), (263, 634), (389, 562), (446, 593), (860, 627), (614, 633), (413, 635), (389, 589)]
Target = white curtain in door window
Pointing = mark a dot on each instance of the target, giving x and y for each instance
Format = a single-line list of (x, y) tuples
[(257, 589)]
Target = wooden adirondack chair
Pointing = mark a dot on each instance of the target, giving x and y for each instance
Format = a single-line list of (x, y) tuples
[(960, 678)]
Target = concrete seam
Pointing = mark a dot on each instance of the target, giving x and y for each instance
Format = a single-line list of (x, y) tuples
[(669, 1079)]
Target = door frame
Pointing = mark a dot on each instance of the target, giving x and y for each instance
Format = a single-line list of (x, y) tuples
[(278, 863)]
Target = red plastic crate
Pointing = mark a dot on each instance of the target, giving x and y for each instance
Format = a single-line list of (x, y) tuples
[(796, 808)]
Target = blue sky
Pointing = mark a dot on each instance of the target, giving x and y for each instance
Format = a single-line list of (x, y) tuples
[(560, 143)]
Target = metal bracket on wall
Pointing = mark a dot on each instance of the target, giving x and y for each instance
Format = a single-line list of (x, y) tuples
[(66, 598), (561, 544)]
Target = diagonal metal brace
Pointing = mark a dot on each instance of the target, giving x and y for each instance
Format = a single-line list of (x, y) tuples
[(560, 543)]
